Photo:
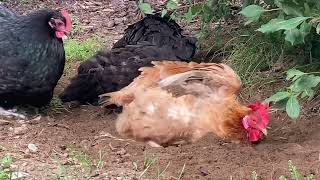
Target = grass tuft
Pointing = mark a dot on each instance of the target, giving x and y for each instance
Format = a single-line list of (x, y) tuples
[(80, 50), (295, 173), (253, 54)]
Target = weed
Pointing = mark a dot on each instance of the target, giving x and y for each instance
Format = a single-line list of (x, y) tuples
[(5, 168), (254, 175), (295, 173), (147, 162), (79, 165), (82, 159), (100, 164)]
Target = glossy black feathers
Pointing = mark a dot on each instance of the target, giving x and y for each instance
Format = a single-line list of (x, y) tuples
[(31, 58)]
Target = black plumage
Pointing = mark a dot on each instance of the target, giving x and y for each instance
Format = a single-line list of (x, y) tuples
[(160, 31), (31, 57), (153, 38), (111, 70)]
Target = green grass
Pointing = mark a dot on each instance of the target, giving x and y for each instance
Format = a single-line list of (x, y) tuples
[(294, 172), (150, 161), (79, 164), (252, 54), (80, 50)]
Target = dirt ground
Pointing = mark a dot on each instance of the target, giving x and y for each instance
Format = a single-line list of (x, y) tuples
[(82, 143)]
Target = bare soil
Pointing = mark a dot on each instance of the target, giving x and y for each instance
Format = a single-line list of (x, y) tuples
[(64, 136)]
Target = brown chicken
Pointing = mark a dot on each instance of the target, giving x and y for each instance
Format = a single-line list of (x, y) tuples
[(177, 101)]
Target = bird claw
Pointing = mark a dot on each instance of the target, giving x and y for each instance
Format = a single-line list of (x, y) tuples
[(104, 100), (11, 113)]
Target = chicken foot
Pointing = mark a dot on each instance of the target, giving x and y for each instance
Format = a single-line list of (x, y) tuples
[(154, 144), (11, 113)]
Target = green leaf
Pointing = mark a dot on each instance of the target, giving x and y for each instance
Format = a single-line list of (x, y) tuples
[(307, 93), (279, 96), (4, 176), (305, 83), (293, 107), (305, 28), (281, 105), (277, 24), (189, 15), (172, 5), (282, 178), (164, 12), (196, 9), (291, 8), (6, 161), (307, 10), (146, 8), (252, 12), (293, 73), (207, 13), (294, 36)]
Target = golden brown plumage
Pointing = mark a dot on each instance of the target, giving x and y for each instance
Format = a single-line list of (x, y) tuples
[(175, 101)]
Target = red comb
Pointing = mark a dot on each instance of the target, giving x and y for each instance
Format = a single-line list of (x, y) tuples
[(262, 109), (66, 15)]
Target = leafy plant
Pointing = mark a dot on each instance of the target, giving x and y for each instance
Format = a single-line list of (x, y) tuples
[(303, 86), (5, 172), (295, 19), (295, 174)]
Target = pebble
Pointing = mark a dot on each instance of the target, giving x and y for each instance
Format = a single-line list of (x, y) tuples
[(20, 130), (110, 24), (33, 148)]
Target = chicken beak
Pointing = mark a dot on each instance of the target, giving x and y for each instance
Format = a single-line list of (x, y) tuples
[(264, 131), (64, 37)]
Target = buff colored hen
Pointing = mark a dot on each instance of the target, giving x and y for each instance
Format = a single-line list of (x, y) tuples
[(177, 101)]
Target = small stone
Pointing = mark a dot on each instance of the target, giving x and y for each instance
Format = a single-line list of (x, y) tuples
[(121, 152), (20, 130), (110, 24), (33, 148), (118, 20), (26, 155)]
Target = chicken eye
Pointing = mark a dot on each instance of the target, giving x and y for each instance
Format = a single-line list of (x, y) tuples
[(60, 24)]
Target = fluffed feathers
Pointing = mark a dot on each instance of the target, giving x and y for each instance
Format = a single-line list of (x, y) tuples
[(159, 73), (175, 101)]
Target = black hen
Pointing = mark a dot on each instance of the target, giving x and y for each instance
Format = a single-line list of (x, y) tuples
[(160, 31), (112, 70), (152, 38), (32, 56)]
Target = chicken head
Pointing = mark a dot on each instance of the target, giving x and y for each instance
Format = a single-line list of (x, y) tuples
[(256, 122), (61, 24)]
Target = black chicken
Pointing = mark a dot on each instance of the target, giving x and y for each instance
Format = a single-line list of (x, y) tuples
[(152, 38), (32, 56), (160, 31)]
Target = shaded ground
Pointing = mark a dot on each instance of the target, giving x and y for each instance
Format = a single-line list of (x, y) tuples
[(82, 142)]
